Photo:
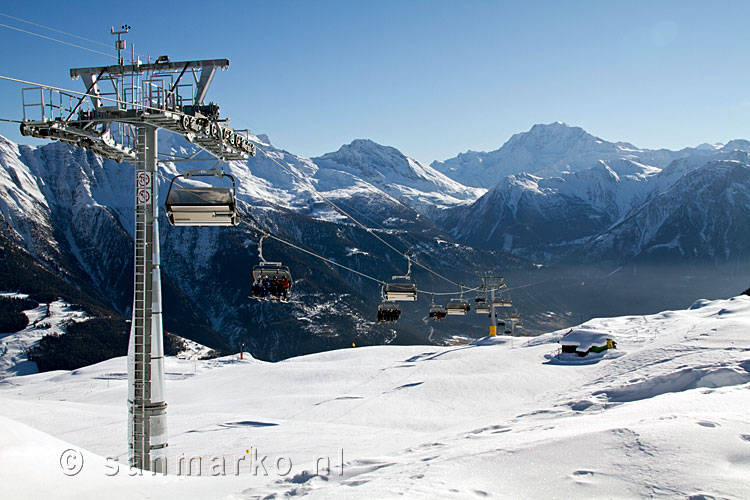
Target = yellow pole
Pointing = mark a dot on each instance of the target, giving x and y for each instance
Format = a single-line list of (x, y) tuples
[(493, 330)]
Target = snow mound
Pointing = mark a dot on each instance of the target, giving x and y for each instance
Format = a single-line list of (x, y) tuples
[(681, 380)]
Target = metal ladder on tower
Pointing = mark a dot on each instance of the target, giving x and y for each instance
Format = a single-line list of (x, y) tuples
[(142, 328)]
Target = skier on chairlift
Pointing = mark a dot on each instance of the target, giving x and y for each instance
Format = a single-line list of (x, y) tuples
[(256, 288), (284, 288)]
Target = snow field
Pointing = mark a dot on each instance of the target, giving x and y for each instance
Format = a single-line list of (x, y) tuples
[(664, 416)]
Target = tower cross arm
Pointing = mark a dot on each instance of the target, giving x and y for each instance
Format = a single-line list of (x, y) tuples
[(116, 69)]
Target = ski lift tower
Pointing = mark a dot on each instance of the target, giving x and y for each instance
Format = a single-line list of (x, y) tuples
[(491, 284), (118, 117)]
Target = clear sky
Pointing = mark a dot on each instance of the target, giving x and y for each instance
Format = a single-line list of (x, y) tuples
[(431, 78)]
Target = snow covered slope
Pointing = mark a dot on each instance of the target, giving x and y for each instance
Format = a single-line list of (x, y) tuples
[(664, 415), (703, 214), (45, 319)]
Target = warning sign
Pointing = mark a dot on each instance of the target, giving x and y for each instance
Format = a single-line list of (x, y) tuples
[(144, 196), (143, 188), (143, 179)]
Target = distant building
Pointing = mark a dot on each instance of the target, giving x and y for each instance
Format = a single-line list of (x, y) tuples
[(582, 341)]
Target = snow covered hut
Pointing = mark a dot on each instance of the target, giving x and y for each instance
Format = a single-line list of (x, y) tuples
[(582, 341)]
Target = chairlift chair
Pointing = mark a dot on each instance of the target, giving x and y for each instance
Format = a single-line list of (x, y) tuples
[(202, 206), (502, 302), (388, 312), (457, 307), (271, 269), (482, 308), (265, 269), (437, 312), (400, 287), (404, 289)]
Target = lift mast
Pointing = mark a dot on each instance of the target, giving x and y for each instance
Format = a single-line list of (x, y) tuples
[(122, 125), (492, 283)]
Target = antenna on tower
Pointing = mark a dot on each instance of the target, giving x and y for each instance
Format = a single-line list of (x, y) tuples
[(120, 43)]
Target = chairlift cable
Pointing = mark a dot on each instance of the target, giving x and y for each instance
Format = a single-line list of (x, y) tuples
[(55, 30), (266, 234), (325, 259), (66, 33), (58, 41)]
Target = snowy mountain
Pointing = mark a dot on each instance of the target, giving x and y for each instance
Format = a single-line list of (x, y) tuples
[(664, 414), (564, 197), (549, 216), (549, 150), (702, 216), (406, 179)]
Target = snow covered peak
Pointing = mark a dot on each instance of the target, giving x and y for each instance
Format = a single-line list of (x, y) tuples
[(550, 150), (545, 150), (371, 159), (398, 175), (557, 138)]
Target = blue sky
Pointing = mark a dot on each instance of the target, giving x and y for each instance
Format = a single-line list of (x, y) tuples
[(431, 78)]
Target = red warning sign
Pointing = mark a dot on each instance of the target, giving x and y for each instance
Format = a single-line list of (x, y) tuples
[(144, 196), (143, 179)]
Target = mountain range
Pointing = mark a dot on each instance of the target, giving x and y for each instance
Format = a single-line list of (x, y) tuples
[(568, 218)]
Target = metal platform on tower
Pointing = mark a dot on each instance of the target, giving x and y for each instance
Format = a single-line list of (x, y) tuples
[(119, 98)]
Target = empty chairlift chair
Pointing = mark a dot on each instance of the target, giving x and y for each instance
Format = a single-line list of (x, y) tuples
[(202, 206), (400, 290), (502, 302), (457, 307), (482, 308), (400, 287)]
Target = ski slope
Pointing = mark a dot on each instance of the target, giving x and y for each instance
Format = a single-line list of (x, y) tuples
[(45, 319), (663, 416)]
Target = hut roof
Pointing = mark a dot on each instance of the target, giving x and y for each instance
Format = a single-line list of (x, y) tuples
[(584, 340)]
